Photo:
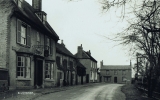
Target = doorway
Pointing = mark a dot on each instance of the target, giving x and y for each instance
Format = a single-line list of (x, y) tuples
[(87, 78), (115, 79), (38, 80)]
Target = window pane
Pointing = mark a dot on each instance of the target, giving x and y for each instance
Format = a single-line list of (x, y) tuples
[(23, 35), (19, 59), (18, 69), (19, 63), (18, 73)]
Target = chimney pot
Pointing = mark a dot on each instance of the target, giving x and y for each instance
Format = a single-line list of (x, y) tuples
[(37, 5)]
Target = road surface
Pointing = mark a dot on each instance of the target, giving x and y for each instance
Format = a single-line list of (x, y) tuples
[(98, 91)]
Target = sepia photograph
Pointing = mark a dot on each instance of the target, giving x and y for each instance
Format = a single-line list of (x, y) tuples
[(79, 49)]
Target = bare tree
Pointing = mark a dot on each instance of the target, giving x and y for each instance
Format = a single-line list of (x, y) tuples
[(145, 35)]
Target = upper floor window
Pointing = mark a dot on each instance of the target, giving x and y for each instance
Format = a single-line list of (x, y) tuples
[(23, 33), (38, 39), (115, 72), (107, 72), (123, 72), (49, 45), (23, 67)]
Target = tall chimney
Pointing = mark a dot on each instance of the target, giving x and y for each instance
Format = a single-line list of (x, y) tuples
[(89, 52), (37, 5), (79, 51), (101, 64), (62, 43)]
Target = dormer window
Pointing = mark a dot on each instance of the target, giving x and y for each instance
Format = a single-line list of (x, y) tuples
[(42, 16)]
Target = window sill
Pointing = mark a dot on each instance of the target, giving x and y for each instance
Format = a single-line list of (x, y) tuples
[(49, 80), (27, 79), (23, 45)]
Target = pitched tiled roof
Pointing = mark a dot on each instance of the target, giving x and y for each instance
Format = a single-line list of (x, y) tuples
[(80, 65), (116, 67), (86, 55), (90, 57), (27, 13), (60, 48)]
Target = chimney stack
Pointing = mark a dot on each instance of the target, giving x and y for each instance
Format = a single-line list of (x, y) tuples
[(79, 51), (101, 64), (89, 52), (62, 43), (37, 5)]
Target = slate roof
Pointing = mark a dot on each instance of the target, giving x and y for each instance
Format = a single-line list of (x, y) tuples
[(86, 55), (91, 57), (27, 13), (115, 67), (80, 65), (60, 48)]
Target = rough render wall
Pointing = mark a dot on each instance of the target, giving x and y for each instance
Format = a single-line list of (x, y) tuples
[(13, 56), (5, 14), (68, 58), (87, 64), (14, 46)]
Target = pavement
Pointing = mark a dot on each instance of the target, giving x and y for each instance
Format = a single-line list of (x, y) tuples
[(35, 93)]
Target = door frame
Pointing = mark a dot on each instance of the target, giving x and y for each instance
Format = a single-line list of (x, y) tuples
[(115, 79), (37, 73)]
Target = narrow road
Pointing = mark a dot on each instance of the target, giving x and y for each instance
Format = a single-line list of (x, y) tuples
[(93, 92)]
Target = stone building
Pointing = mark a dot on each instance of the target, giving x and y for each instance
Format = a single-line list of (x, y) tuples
[(66, 64), (27, 44), (89, 63), (115, 73)]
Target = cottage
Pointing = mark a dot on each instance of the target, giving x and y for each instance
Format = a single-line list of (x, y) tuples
[(89, 63), (65, 60), (27, 44)]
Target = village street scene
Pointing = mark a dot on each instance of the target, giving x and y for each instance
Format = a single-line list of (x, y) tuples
[(79, 50)]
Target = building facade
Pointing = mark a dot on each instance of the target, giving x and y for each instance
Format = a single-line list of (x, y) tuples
[(66, 67), (115, 73), (89, 63), (27, 44)]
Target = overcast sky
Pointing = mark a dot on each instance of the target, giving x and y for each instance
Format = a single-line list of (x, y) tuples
[(83, 22)]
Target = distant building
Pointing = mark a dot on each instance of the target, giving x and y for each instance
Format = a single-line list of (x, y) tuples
[(115, 73), (90, 64)]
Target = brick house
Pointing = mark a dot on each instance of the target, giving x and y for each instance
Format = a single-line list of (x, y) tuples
[(115, 73), (27, 44), (89, 63), (66, 65)]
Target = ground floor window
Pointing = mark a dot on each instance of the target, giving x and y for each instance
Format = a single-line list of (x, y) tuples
[(107, 79), (23, 67), (49, 70), (123, 79)]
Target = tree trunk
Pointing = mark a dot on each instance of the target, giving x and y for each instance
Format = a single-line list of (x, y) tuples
[(150, 85), (64, 80)]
